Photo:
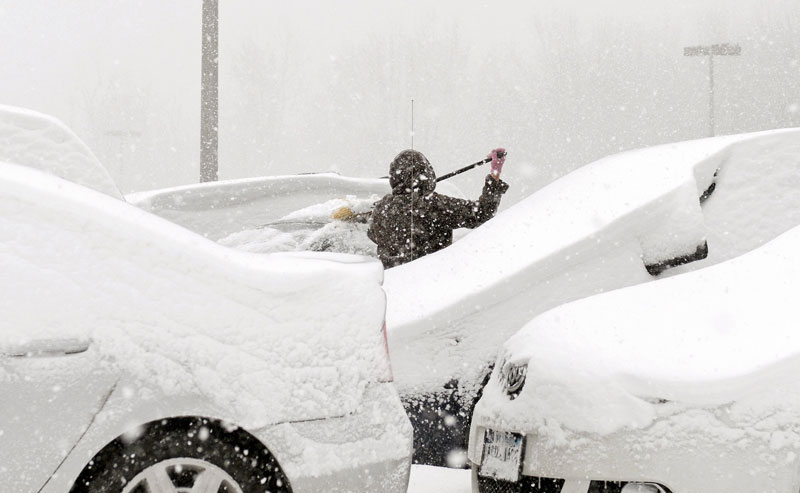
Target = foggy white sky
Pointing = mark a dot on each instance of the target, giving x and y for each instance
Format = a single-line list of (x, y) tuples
[(322, 85)]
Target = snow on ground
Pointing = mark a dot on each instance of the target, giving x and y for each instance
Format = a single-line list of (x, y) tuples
[(586, 233), (171, 307), (41, 142), (429, 479)]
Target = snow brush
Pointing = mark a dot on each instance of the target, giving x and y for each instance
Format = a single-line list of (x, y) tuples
[(346, 214), (500, 155)]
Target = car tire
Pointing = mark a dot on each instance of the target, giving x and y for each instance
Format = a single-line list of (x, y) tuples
[(177, 454)]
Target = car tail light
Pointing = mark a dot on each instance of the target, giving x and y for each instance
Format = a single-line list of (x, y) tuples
[(384, 360)]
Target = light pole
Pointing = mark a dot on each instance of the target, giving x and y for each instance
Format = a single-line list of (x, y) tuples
[(724, 49), (209, 102)]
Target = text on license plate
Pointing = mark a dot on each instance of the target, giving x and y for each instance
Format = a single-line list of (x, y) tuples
[(502, 455)]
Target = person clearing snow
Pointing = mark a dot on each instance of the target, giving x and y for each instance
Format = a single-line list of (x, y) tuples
[(413, 220)]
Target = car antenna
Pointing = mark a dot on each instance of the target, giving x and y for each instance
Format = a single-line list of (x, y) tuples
[(412, 124), (413, 245)]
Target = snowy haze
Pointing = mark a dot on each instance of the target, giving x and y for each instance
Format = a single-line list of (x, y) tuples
[(326, 86)]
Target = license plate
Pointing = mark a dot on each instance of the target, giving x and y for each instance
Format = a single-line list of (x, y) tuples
[(502, 455)]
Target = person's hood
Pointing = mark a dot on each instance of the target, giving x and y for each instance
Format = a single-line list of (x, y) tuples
[(411, 171)]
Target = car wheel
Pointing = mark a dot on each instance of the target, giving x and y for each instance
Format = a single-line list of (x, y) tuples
[(182, 474), (183, 455)]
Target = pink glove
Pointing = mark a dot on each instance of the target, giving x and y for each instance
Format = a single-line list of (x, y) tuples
[(497, 162)]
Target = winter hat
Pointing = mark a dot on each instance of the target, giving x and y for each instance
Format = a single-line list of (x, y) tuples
[(411, 170)]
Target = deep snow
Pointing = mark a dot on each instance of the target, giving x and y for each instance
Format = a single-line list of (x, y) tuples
[(108, 305), (586, 233), (650, 379), (690, 381), (171, 307), (724, 335)]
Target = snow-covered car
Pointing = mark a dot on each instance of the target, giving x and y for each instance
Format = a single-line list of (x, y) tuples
[(626, 219), (137, 356), (685, 385), (276, 213), (620, 221)]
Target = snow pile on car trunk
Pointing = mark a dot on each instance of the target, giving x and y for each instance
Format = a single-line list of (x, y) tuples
[(265, 338), (713, 354), (594, 230), (42, 142)]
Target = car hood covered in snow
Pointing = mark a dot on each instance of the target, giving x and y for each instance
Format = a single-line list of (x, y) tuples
[(722, 337), (264, 338)]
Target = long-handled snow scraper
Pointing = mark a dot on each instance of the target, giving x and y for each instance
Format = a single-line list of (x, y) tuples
[(467, 168), (345, 213)]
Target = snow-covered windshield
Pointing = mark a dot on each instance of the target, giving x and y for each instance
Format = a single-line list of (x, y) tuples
[(313, 228)]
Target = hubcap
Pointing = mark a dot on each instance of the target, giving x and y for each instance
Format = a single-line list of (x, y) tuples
[(183, 475)]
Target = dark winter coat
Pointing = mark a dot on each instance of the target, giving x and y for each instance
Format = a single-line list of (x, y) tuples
[(414, 221)]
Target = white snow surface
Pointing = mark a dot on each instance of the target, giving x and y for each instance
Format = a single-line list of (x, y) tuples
[(42, 142), (219, 209), (589, 232), (429, 479), (324, 211), (310, 229), (720, 345), (266, 339), (756, 199)]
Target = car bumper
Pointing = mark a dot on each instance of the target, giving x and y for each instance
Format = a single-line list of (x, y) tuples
[(605, 464), (369, 450)]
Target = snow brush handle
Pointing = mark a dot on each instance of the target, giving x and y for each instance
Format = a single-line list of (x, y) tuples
[(467, 168)]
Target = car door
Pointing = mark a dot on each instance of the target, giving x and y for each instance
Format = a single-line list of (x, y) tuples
[(50, 391)]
